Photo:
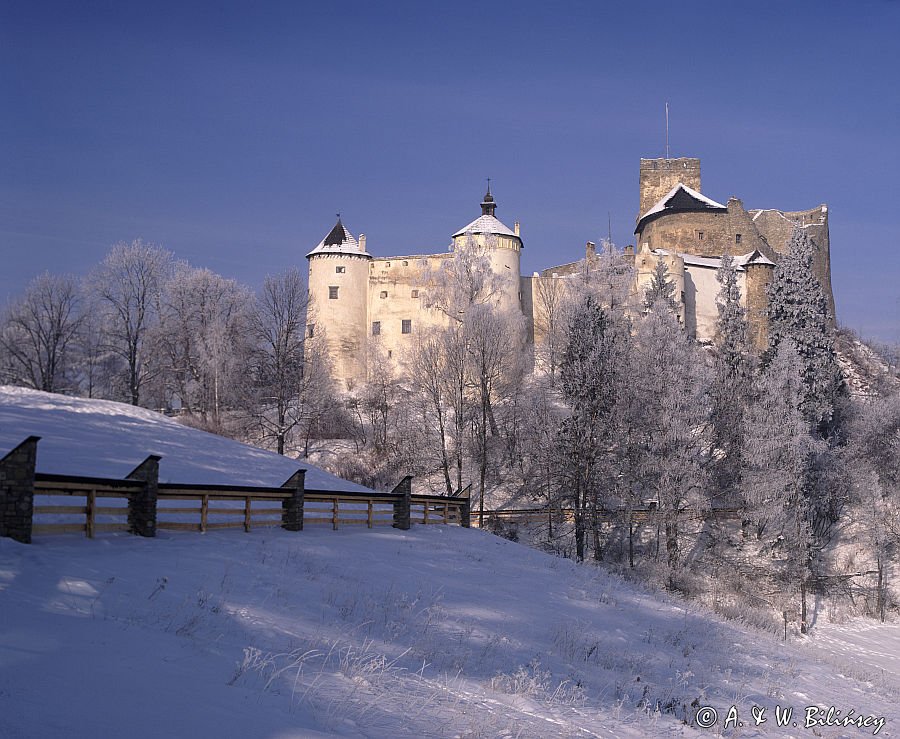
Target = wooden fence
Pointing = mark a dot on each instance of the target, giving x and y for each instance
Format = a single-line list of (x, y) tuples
[(37, 503)]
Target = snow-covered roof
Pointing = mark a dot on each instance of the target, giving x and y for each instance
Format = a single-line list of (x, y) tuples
[(754, 257), (711, 262), (338, 241), (486, 225), (661, 204)]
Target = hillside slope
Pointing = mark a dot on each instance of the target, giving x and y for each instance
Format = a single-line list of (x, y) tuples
[(102, 438), (434, 632)]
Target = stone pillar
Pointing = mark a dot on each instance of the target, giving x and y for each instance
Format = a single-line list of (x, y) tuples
[(142, 505), (465, 513), (17, 491), (402, 506), (292, 508)]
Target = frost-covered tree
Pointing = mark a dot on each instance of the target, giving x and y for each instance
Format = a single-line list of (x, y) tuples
[(661, 287), (128, 283), (873, 459), (798, 312), (780, 454), (730, 390), (593, 379), (202, 337), (464, 279), (438, 374), (38, 333), (549, 304), (669, 415)]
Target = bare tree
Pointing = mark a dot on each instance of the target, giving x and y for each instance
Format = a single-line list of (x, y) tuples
[(549, 295), (129, 283), (290, 384), (202, 332), (38, 333)]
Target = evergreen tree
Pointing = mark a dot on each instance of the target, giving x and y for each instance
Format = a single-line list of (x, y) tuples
[(668, 415), (661, 287), (593, 378), (780, 455), (731, 381), (798, 312)]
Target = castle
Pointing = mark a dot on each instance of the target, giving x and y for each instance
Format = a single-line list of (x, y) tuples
[(359, 300)]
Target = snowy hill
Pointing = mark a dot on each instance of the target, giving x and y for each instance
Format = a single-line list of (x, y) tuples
[(434, 632), (101, 438)]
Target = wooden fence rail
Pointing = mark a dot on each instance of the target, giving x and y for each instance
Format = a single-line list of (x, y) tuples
[(142, 505)]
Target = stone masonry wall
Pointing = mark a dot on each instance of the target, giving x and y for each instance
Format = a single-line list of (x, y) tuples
[(658, 176), (17, 491), (776, 227)]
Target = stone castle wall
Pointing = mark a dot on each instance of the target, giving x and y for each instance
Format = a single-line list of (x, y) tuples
[(707, 234), (776, 226)]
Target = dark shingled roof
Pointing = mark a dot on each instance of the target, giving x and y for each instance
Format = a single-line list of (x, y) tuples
[(337, 236)]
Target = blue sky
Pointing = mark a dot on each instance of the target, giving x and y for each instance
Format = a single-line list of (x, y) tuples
[(231, 133)]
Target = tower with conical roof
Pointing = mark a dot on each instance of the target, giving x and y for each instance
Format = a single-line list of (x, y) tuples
[(503, 247), (338, 291)]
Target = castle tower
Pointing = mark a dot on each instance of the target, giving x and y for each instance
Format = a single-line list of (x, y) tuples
[(503, 247), (659, 176), (338, 291)]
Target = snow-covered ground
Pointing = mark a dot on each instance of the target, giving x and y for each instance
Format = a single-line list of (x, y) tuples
[(434, 632), (101, 438)]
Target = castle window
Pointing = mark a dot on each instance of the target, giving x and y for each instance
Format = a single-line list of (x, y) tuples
[(699, 235), (384, 293), (405, 263), (387, 264), (340, 269), (310, 330), (406, 326), (415, 293), (737, 238), (376, 328), (332, 292)]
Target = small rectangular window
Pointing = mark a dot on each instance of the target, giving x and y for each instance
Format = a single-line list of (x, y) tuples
[(415, 293), (310, 330), (406, 326), (340, 269), (384, 293), (376, 328), (405, 263), (737, 238), (699, 235), (332, 292)]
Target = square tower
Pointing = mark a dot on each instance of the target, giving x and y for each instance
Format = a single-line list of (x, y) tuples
[(658, 176)]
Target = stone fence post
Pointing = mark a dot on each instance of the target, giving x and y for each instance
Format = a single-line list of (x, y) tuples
[(465, 512), (142, 505), (292, 508), (402, 506), (17, 491)]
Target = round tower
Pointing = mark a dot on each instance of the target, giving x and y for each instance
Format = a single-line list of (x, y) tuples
[(338, 293), (503, 247)]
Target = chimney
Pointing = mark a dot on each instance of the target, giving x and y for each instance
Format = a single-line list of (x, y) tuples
[(516, 228), (362, 242), (590, 250)]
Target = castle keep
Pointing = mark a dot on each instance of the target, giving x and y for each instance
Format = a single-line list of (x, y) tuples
[(362, 303)]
